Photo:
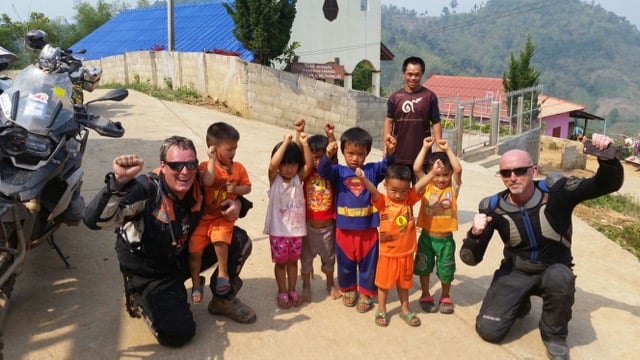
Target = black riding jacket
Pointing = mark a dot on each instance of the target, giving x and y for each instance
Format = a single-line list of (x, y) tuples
[(152, 225), (540, 231)]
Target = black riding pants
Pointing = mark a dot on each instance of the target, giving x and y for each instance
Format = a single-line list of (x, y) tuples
[(161, 295), (510, 288)]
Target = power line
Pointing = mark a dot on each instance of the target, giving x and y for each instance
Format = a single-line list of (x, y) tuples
[(488, 18)]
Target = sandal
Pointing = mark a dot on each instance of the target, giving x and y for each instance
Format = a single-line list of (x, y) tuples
[(294, 298), (410, 318), (446, 306), (222, 286), (427, 304), (364, 304), (382, 319), (197, 291), (349, 298), (283, 301)]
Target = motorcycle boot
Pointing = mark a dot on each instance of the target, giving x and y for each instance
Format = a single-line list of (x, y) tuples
[(557, 350)]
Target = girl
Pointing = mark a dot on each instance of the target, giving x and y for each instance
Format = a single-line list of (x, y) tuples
[(285, 222)]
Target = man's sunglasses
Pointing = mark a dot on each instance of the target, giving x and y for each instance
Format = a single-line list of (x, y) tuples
[(179, 165), (505, 173)]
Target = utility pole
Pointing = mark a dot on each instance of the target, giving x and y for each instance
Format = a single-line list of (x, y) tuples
[(170, 32)]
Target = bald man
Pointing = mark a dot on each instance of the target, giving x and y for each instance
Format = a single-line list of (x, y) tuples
[(533, 219)]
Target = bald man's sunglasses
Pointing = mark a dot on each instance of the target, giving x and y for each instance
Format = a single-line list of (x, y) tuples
[(179, 165), (505, 173)]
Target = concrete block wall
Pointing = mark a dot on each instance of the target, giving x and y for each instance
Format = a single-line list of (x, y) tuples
[(529, 142), (571, 156), (257, 92)]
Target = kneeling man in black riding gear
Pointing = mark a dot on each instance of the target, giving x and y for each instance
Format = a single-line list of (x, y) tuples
[(155, 214), (533, 219)]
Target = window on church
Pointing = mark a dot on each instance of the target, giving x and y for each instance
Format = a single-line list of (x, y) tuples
[(364, 5)]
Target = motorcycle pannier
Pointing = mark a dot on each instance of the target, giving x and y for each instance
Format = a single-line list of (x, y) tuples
[(91, 78)]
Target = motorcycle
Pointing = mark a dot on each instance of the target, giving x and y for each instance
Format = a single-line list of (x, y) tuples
[(61, 60), (43, 136)]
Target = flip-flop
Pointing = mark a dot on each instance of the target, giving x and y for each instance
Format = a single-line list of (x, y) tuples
[(294, 298), (446, 306), (283, 301), (382, 319), (222, 286), (364, 304), (197, 292), (349, 298), (427, 304), (410, 318)]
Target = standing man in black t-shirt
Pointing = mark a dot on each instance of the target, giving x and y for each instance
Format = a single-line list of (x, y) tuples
[(411, 112)]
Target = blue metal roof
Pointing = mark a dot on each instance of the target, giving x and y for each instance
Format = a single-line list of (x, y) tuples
[(197, 27)]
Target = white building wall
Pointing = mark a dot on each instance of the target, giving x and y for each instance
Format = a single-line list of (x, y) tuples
[(353, 36)]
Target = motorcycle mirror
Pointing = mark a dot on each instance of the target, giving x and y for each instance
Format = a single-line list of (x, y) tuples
[(34, 39), (81, 51), (118, 94)]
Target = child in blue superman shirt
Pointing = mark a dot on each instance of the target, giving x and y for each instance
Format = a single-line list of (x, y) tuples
[(356, 219)]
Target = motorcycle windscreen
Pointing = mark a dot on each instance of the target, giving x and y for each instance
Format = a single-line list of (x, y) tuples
[(43, 97)]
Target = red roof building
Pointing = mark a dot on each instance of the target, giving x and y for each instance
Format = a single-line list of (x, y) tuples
[(558, 116)]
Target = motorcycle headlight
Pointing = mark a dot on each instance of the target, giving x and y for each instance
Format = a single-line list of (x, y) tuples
[(25, 146)]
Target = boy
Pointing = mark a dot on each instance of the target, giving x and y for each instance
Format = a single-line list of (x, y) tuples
[(438, 219), (321, 226), (356, 220), (397, 238), (222, 179)]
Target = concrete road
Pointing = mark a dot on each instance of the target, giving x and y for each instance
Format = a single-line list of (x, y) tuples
[(78, 313)]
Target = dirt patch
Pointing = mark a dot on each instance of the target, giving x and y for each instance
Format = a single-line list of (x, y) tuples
[(551, 155), (212, 103)]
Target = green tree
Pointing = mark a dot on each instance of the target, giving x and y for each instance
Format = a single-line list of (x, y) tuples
[(263, 26), (362, 76), (9, 34), (141, 4), (522, 75), (12, 35), (89, 18)]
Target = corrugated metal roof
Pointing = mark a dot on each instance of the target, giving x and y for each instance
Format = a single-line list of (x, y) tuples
[(197, 27), (554, 106), (465, 87), (458, 89)]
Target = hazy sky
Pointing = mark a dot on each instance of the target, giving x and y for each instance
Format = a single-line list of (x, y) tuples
[(19, 9)]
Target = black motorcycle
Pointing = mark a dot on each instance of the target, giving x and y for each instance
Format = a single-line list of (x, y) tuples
[(43, 136)]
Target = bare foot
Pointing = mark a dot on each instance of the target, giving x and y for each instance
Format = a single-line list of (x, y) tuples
[(334, 292), (306, 294)]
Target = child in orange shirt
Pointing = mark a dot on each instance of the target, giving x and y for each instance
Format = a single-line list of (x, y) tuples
[(222, 179), (397, 238), (438, 219)]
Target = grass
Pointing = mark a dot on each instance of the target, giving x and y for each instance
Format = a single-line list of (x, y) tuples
[(182, 94), (626, 233)]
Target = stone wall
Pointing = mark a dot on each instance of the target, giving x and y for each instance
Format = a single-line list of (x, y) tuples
[(528, 141), (257, 92)]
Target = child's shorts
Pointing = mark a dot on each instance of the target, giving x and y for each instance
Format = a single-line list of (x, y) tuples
[(392, 271), (210, 231), (438, 252), (285, 249), (321, 242)]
